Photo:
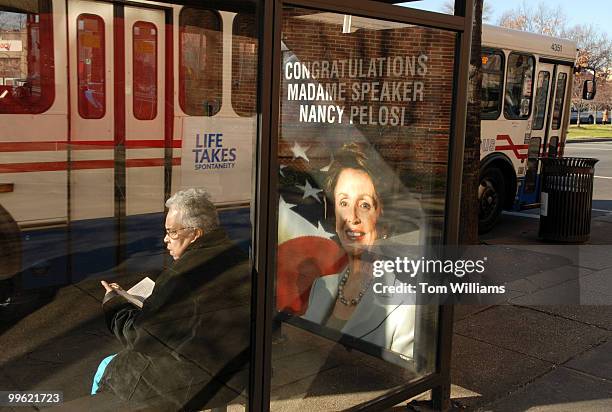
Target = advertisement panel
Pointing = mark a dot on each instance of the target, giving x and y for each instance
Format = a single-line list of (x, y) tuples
[(363, 152)]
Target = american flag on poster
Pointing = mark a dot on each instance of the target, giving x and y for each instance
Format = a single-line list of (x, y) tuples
[(307, 247)]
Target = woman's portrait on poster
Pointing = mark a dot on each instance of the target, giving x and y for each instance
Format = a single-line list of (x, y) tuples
[(346, 301)]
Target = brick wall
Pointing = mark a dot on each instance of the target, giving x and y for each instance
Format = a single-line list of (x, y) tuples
[(244, 64), (201, 43), (416, 152)]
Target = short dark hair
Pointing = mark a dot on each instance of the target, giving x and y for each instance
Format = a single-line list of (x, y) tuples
[(402, 213)]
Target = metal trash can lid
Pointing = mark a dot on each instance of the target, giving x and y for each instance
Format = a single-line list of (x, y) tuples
[(571, 162)]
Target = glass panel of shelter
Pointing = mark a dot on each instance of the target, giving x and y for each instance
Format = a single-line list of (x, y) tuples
[(363, 146), (189, 346), (377, 92)]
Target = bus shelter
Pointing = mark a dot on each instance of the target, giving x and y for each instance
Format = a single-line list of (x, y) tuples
[(377, 79), (329, 136)]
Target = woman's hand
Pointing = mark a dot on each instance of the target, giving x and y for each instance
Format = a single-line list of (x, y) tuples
[(109, 287)]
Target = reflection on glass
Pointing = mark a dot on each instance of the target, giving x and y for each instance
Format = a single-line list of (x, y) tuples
[(519, 86), (145, 70), (68, 218), (244, 65), (492, 80), (201, 60), (559, 98), (531, 172), (553, 147), (363, 148), (539, 110), (26, 57), (91, 69)]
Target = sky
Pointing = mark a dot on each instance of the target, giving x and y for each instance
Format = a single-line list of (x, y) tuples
[(595, 12)]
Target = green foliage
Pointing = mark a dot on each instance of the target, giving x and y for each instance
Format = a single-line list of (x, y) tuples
[(589, 131)]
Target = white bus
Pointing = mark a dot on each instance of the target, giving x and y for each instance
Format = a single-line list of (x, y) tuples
[(115, 107), (526, 97)]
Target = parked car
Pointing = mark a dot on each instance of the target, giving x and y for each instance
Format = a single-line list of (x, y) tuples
[(586, 116)]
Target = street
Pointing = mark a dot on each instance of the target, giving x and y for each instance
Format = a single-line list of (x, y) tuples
[(602, 186)]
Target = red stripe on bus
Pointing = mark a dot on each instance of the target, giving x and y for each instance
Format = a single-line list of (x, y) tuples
[(513, 149), (510, 142), (151, 162), (92, 164), (511, 146), (83, 145), (144, 162), (80, 165), (143, 144), (33, 167), (32, 146), (91, 144), (56, 166)]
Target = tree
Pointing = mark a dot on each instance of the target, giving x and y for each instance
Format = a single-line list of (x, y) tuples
[(12, 21), (539, 19), (468, 230), (603, 98), (594, 48), (594, 52), (577, 102)]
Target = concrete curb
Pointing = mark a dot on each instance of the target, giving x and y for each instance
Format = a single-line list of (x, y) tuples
[(589, 140)]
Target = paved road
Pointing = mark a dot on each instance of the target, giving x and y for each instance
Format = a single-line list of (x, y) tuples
[(602, 190)]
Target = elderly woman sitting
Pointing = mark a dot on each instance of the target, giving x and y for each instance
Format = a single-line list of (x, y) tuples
[(188, 347)]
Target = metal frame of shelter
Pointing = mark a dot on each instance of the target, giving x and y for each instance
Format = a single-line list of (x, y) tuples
[(265, 210)]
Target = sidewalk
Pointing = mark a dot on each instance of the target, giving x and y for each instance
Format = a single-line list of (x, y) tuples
[(511, 357), (517, 357)]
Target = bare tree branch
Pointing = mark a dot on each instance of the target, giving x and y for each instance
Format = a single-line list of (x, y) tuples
[(539, 19)]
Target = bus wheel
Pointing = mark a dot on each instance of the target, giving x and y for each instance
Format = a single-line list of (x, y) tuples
[(10, 246), (591, 120), (491, 195)]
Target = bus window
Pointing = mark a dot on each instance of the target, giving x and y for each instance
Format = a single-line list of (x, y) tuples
[(244, 64), (553, 147), (91, 66), (532, 164), (539, 110), (145, 70), (559, 98), (519, 86), (27, 83), (201, 61), (492, 79)]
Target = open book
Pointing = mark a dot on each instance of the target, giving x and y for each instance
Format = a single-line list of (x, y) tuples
[(137, 294)]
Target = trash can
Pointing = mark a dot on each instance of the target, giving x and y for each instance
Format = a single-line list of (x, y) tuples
[(566, 199)]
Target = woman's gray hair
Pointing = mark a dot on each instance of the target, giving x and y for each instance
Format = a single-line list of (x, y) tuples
[(195, 209)]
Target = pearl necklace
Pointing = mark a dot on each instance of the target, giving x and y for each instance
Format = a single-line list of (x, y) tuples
[(354, 301)]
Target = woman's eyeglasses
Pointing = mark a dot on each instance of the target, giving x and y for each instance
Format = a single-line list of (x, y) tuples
[(173, 233)]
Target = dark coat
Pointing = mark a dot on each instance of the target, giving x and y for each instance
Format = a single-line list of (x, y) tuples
[(189, 345)]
